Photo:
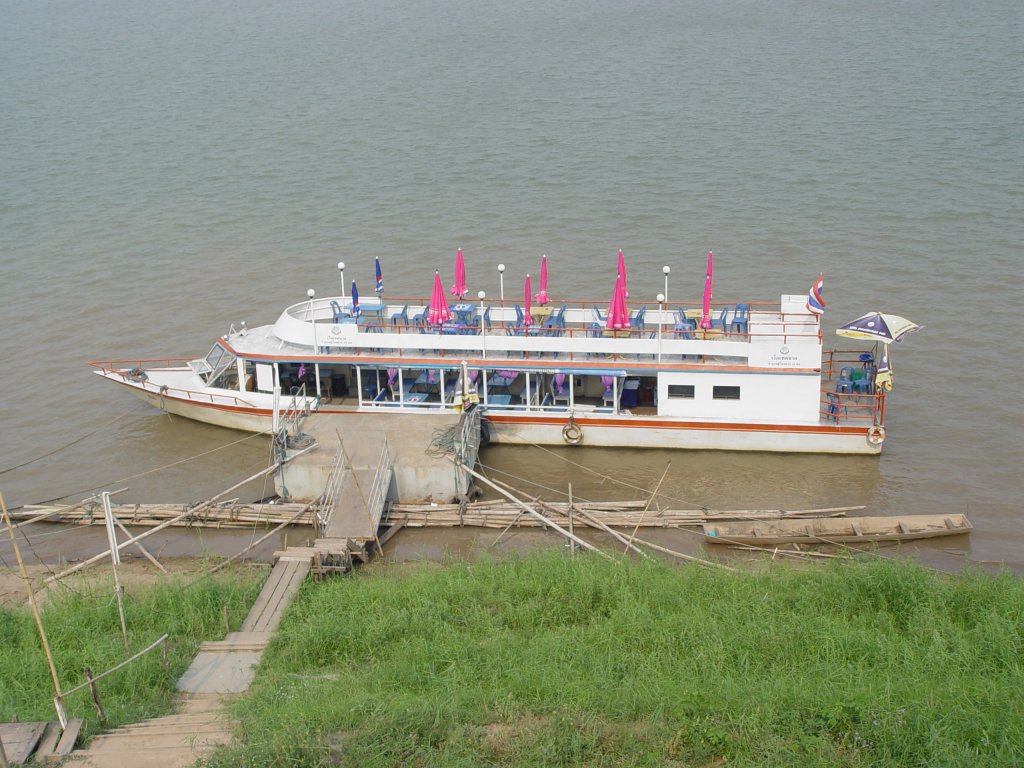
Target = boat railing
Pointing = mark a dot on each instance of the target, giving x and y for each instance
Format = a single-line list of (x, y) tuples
[(853, 409), (299, 406), (137, 377), (118, 366)]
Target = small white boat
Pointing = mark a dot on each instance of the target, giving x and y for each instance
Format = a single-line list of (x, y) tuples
[(758, 380)]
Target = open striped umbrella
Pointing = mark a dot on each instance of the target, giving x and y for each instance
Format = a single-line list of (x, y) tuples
[(878, 326)]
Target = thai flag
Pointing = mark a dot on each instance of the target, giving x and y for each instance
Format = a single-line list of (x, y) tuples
[(815, 303), (380, 277)]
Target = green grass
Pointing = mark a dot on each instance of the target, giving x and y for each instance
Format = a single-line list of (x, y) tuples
[(547, 661), (84, 630)]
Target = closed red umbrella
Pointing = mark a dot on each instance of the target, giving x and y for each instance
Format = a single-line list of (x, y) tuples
[(705, 315), (527, 317), (438, 311), (618, 314), (542, 294)]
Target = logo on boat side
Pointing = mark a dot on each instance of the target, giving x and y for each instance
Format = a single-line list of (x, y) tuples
[(783, 350)]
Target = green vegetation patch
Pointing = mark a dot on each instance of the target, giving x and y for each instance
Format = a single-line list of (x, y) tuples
[(552, 661), (84, 630)]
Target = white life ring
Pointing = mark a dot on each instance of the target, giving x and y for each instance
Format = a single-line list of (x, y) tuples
[(876, 435), (572, 433)]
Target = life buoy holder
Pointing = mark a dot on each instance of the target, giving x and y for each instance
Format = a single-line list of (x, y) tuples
[(876, 435), (572, 433)]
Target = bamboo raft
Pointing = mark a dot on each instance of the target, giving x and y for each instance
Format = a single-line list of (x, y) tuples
[(228, 514), (615, 514), (482, 514)]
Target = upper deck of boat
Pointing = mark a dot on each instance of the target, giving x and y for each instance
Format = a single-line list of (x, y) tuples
[(779, 335)]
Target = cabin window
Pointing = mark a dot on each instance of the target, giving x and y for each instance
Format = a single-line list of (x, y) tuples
[(726, 393), (681, 391)]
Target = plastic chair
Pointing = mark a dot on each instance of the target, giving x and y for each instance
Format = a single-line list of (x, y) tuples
[(338, 313), (835, 407), (556, 395), (487, 318), (636, 320), (845, 381), (865, 385), (720, 321), (402, 316), (740, 319)]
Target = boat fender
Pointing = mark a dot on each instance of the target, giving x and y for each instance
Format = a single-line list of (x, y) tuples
[(876, 435), (572, 433)]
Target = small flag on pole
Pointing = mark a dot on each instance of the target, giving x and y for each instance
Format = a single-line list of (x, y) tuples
[(815, 303)]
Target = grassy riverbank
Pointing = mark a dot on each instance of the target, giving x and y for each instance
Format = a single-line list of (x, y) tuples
[(548, 661), (84, 630)]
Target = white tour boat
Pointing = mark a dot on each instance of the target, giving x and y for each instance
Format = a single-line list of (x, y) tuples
[(758, 379)]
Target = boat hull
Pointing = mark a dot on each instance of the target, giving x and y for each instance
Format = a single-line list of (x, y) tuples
[(610, 431)]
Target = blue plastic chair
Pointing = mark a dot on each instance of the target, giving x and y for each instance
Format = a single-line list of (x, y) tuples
[(836, 409), (845, 381), (740, 319), (720, 321), (866, 384), (402, 317), (685, 328), (339, 315), (636, 320)]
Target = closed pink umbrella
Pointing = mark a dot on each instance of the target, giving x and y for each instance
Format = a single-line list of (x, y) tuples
[(527, 317), (460, 289), (542, 294), (438, 311), (705, 315), (622, 271), (618, 314)]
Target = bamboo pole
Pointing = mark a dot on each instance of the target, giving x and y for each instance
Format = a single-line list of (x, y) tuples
[(648, 506), (259, 541), (64, 510), (573, 550), (613, 533), (141, 548), (58, 700), (189, 513), (530, 510), (691, 558), (115, 558)]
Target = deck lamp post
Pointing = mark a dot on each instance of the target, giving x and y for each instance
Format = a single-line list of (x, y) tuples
[(501, 280), (483, 331), (312, 318), (341, 269), (666, 270), (661, 302)]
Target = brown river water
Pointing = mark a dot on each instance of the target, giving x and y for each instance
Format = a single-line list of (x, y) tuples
[(171, 169)]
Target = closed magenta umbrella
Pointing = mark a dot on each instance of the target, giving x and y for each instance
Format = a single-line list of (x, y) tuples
[(622, 271), (542, 294), (618, 314), (527, 316), (460, 289), (705, 315), (438, 311)]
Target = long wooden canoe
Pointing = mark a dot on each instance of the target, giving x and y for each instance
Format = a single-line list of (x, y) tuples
[(828, 530)]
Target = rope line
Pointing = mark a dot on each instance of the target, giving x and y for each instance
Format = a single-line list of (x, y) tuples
[(156, 469)]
